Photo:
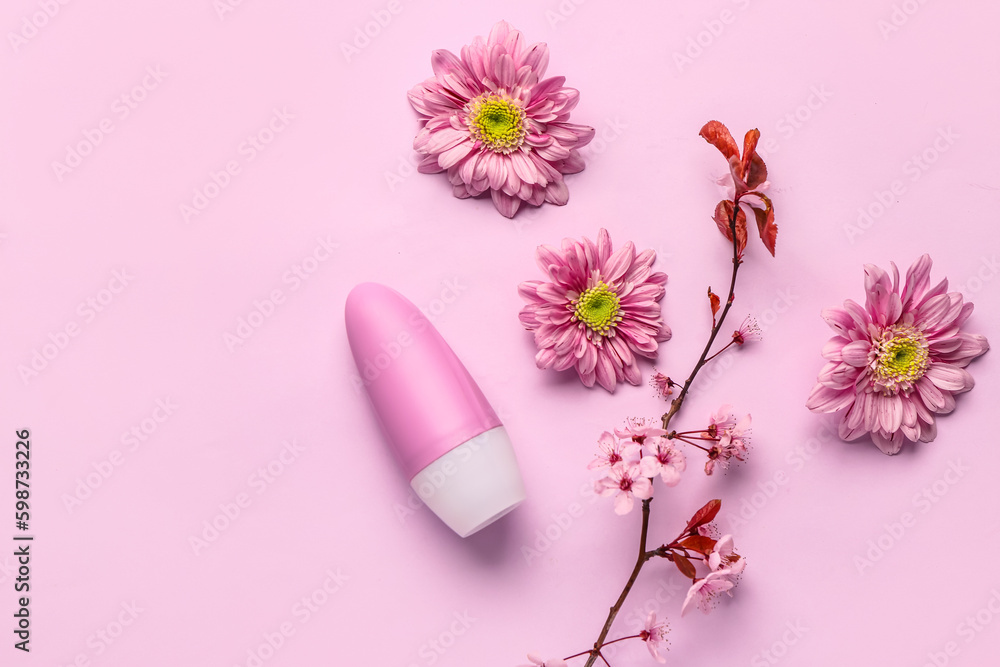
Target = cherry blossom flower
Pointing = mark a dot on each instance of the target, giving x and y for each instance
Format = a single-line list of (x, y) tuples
[(625, 482), (734, 570), (613, 451), (638, 429), (748, 331), (598, 312), (722, 553), (732, 438), (720, 420), (708, 530), (661, 458), (536, 661), (663, 385), (655, 635), (704, 592), (728, 447), (898, 361), (496, 125)]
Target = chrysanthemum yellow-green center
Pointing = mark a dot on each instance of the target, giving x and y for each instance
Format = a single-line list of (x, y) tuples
[(900, 358), (497, 122), (598, 308)]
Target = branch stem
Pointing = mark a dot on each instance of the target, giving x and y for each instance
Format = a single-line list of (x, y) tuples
[(675, 405), (639, 562)]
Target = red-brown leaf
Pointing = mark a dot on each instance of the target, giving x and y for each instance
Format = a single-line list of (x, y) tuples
[(723, 215), (685, 566), (749, 150), (716, 302), (765, 224), (741, 231), (736, 171), (704, 515), (719, 136), (699, 543), (758, 171)]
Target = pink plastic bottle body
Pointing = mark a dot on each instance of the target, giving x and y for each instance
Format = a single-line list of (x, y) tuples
[(448, 440), (424, 397)]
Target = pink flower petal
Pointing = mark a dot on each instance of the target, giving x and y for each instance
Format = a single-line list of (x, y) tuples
[(888, 444), (557, 193), (856, 353), (504, 203), (623, 503), (642, 489), (917, 281), (950, 378), (605, 371), (824, 399), (454, 155), (970, 347), (536, 57), (839, 320)]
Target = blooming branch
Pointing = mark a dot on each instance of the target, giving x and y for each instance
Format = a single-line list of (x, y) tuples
[(634, 456)]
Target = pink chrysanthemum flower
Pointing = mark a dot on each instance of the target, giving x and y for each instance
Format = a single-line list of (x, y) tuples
[(624, 482), (598, 311), (899, 361), (655, 636), (495, 125)]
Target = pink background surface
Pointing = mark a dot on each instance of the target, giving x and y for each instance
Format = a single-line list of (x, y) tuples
[(843, 105)]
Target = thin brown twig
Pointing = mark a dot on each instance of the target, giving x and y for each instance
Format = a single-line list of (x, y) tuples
[(675, 405)]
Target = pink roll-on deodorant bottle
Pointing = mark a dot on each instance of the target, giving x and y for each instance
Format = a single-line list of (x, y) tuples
[(448, 440)]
